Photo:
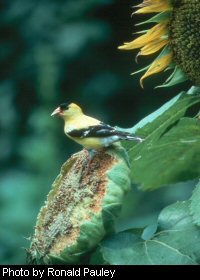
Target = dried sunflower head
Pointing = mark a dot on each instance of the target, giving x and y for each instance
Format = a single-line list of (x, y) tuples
[(81, 207)]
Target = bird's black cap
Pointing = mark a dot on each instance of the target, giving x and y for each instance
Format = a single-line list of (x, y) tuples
[(64, 106)]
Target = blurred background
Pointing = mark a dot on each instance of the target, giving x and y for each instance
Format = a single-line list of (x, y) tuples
[(54, 51)]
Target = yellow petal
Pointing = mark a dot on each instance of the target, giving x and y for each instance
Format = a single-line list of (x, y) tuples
[(153, 46), (157, 66), (155, 32), (153, 6)]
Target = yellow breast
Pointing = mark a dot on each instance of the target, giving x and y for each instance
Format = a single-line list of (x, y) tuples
[(88, 143)]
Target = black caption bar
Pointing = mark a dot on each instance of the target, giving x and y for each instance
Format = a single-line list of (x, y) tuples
[(92, 271)]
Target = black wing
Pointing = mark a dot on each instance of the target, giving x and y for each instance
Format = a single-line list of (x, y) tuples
[(101, 130)]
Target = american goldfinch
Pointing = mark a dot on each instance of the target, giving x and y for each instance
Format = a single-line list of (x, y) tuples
[(87, 131)]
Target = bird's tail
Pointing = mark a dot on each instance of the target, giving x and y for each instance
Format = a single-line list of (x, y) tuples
[(131, 138)]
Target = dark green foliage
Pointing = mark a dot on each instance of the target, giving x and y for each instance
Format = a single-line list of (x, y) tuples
[(175, 242), (170, 152), (195, 205), (62, 51)]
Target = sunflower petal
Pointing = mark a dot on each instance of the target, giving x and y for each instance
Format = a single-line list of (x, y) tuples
[(157, 66), (153, 46), (155, 32), (152, 6)]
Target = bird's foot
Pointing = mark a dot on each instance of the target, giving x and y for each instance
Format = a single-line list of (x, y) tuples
[(90, 154)]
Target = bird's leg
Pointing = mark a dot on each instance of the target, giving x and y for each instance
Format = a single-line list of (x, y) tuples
[(91, 154), (86, 164), (88, 159)]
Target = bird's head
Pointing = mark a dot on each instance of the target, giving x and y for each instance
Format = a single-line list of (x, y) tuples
[(67, 110)]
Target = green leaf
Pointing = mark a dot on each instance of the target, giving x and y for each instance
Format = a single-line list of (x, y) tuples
[(156, 19), (149, 231), (176, 242), (175, 78), (166, 115), (170, 152), (175, 157), (195, 205)]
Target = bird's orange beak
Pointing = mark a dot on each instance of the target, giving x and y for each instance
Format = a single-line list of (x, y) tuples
[(57, 111)]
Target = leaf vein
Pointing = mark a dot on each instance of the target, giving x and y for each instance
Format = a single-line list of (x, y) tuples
[(171, 248)]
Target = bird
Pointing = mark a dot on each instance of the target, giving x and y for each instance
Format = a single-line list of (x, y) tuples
[(89, 132)]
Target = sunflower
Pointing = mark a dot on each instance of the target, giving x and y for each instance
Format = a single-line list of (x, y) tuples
[(175, 34)]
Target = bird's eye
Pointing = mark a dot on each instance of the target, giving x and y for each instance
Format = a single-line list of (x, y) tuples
[(64, 106)]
